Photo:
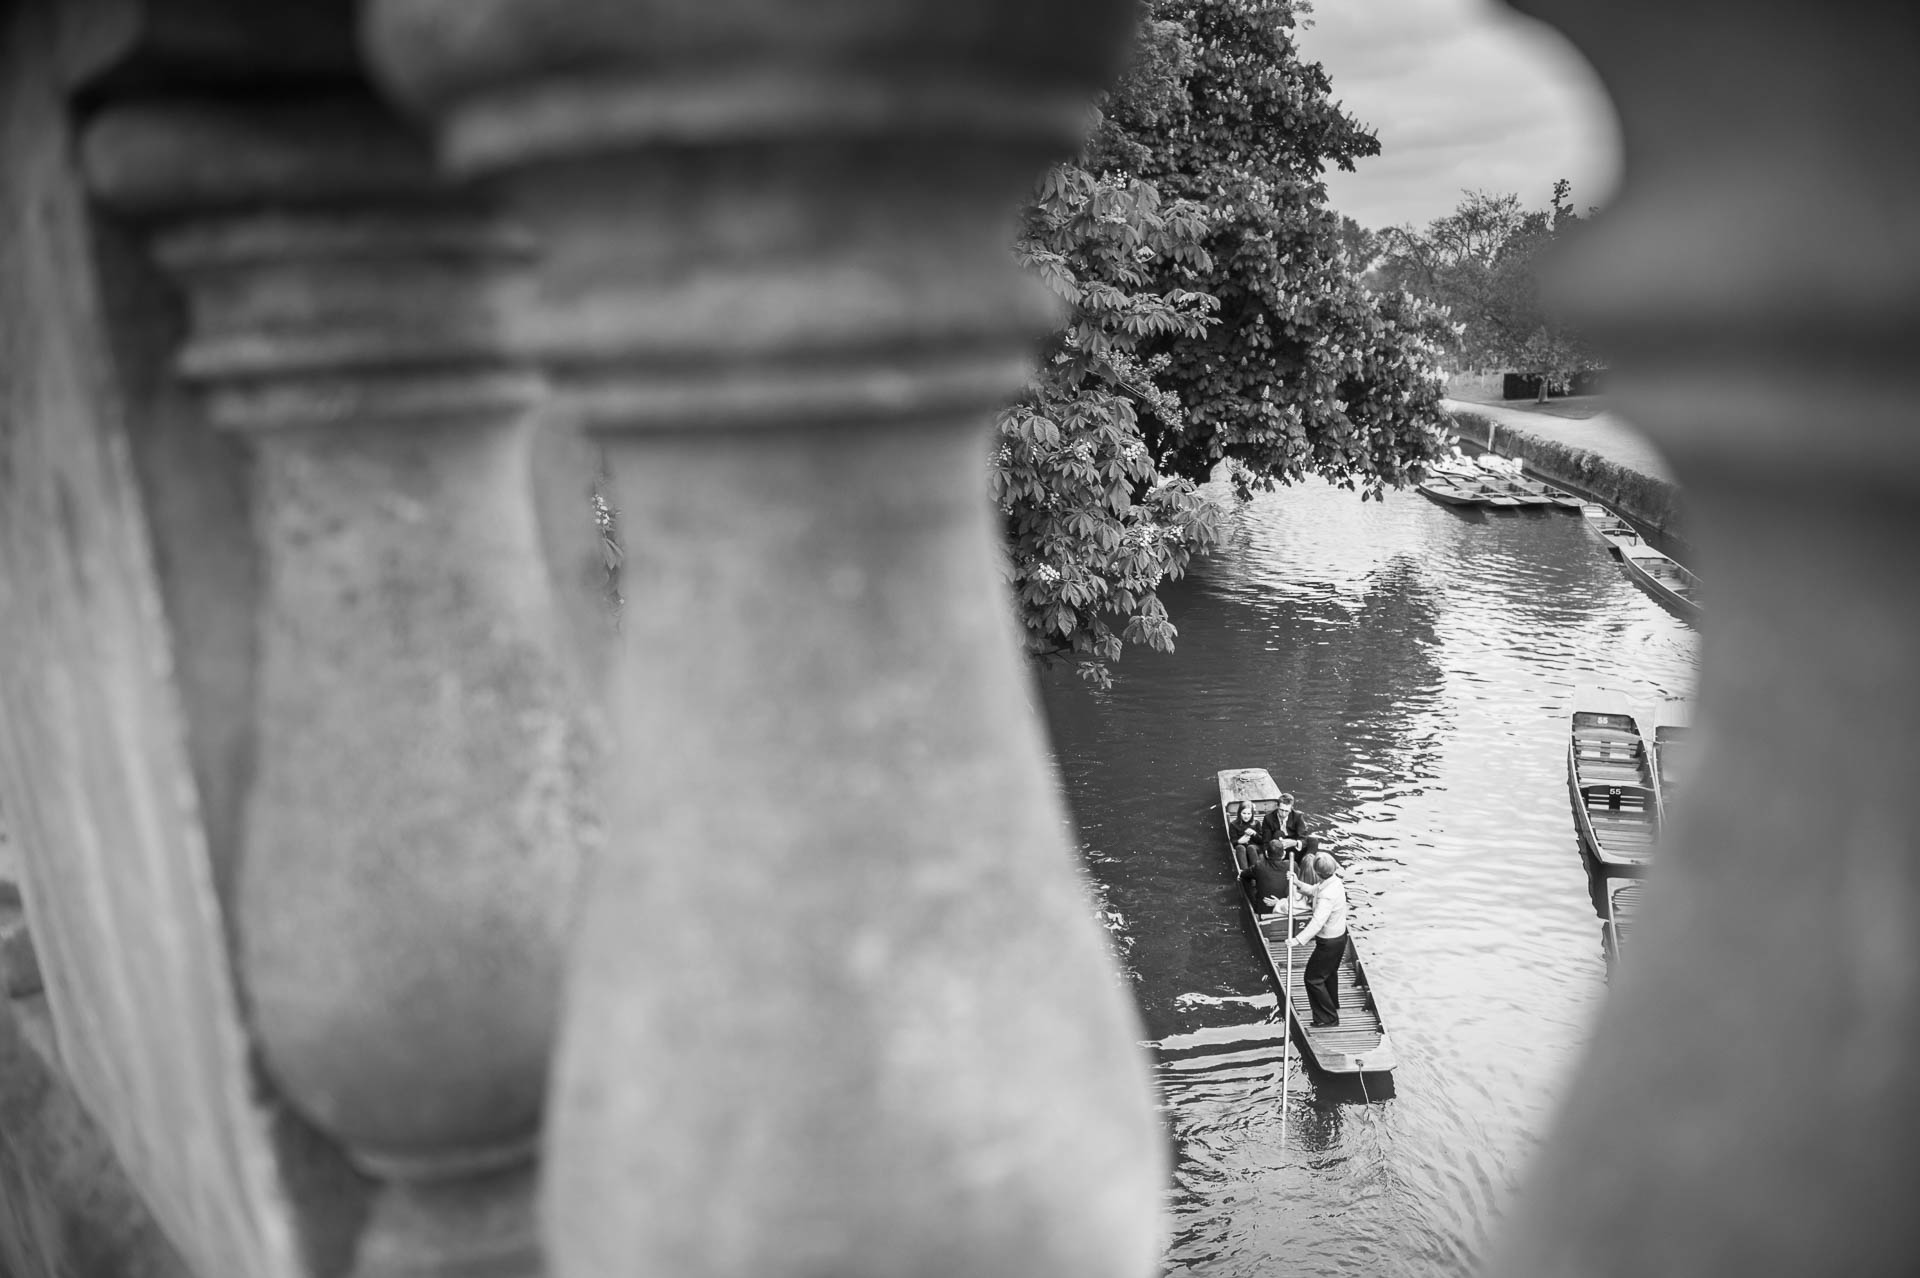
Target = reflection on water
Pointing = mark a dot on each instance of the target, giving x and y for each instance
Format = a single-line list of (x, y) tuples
[(1406, 670)]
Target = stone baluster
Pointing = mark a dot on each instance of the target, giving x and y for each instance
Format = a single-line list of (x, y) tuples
[(412, 825), (1748, 1106), (839, 1004)]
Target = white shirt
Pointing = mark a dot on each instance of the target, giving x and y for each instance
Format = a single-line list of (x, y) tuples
[(1329, 910)]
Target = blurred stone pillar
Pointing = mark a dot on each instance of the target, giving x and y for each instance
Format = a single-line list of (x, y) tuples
[(839, 1004), (413, 817), (1748, 1106)]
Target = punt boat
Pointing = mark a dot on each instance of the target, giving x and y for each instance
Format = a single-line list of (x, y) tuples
[(1609, 527), (1456, 466), (1663, 578), (1524, 492), (1359, 1044), (1672, 724), (1623, 906), (1610, 776), (1449, 491)]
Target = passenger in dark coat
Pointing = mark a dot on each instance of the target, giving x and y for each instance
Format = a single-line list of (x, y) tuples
[(1290, 832), (1265, 882)]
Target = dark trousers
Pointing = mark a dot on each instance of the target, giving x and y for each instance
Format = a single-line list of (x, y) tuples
[(1323, 978)]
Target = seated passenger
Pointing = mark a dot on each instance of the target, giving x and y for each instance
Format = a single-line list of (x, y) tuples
[(1251, 830), (1290, 832), (1265, 882)]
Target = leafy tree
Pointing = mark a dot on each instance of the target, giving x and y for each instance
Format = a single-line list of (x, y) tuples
[(1363, 247), (1307, 370), (1094, 525), (1215, 314), (1480, 262)]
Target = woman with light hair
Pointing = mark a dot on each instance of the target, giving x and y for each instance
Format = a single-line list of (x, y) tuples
[(1327, 929)]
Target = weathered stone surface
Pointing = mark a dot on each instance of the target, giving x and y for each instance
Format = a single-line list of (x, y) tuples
[(97, 762), (880, 1035), (1747, 1107), (412, 823), (67, 1208), (19, 965)]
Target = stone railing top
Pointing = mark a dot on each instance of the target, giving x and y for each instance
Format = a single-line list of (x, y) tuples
[(119, 46), (1766, 203), (517, 80)]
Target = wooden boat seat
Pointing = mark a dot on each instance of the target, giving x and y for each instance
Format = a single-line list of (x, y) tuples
[(1601, 737)]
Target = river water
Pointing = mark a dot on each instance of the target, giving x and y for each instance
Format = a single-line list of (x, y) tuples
[(1406, 669)]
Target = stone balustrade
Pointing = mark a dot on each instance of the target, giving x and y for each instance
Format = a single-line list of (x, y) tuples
[(838, 1003), (300, 306), (1745, 1108)]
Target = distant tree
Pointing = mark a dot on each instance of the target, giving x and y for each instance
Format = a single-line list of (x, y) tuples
[(1215, 313), (1481, 262), (1363, 247)]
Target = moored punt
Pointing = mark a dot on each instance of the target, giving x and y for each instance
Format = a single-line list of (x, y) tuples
[(1524, 492), (1623, 905), (1452, 492), (1664, 578), (1608, 526), (1506, 477), (1359, 1044), (1611, 779), (1456, 467), (1672, 724)]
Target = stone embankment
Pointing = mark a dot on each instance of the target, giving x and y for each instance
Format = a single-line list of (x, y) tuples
[(1599, 457)]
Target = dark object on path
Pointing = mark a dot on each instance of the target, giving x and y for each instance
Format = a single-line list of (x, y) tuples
[(1590, 381)]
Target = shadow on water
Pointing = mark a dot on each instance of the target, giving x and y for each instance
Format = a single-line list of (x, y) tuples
[(1407, 672)]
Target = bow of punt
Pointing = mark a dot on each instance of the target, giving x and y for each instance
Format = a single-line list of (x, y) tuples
[(1610, 775)]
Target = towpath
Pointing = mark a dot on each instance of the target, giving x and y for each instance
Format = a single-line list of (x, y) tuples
[(1599, 456), (1604, 434)]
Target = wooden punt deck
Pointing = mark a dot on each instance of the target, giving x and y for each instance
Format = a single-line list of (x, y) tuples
[(1611, 778), (1452, 492), (1526, 492), (1360, 1042), (1616, 532), (1665, 579)]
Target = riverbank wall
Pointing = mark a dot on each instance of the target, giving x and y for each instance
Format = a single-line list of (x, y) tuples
[(1651, 501)]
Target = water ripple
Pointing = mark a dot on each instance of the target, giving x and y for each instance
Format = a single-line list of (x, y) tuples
[(1407, 671)]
